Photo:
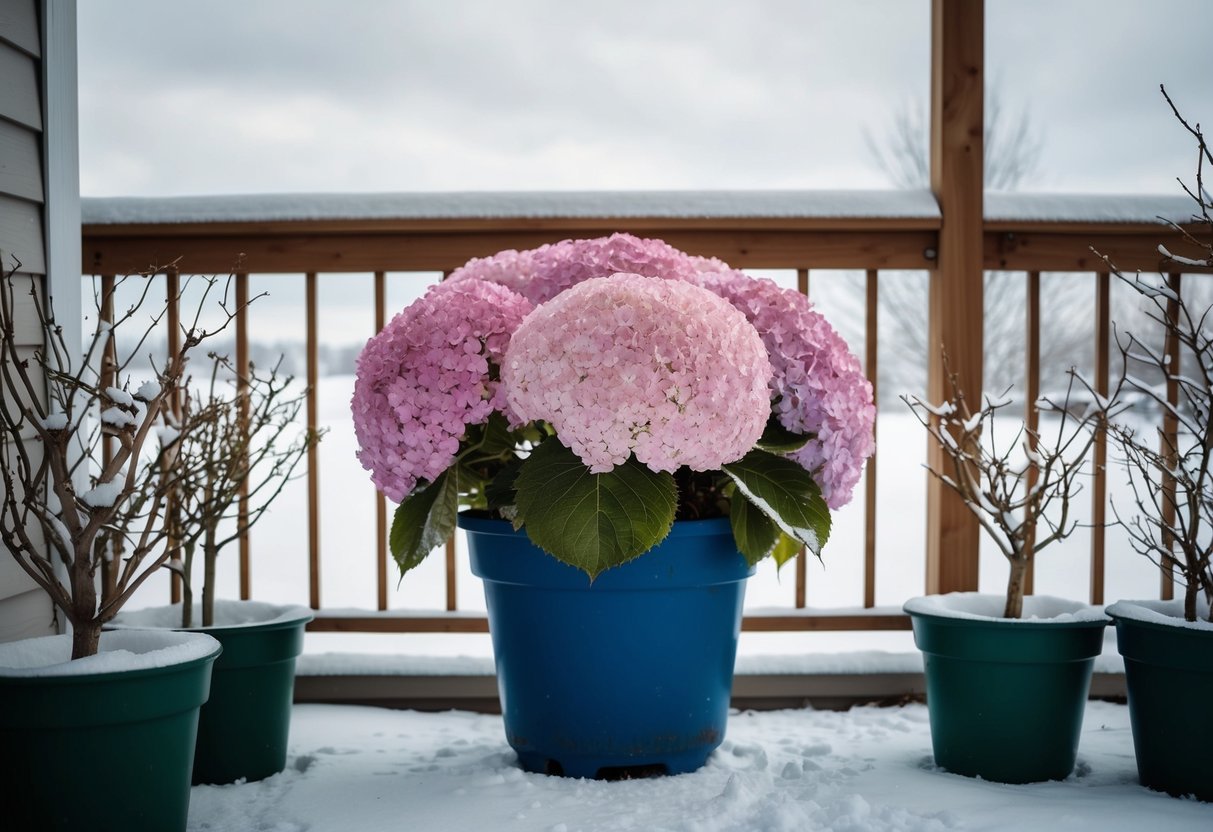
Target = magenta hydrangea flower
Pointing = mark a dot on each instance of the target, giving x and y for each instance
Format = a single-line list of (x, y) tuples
[(819, 385), (426, 377), (633, 364), (542, 273)]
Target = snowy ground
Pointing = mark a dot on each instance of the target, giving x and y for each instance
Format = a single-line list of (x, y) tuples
[(367, 769)]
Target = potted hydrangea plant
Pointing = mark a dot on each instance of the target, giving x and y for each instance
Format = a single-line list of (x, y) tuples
[(242, 449), (85, 715), (1168, 645), (1007, 676), (629, 429)]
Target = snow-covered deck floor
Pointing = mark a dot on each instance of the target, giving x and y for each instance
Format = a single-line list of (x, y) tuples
[(362, 769)]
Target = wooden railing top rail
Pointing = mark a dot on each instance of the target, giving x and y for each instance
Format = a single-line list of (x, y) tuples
[(749, 229)]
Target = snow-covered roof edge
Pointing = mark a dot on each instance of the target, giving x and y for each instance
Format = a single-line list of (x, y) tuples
[(789, 204), (786, 204), (1088, 208)]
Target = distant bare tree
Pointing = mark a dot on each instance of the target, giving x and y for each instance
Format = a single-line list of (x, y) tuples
[(1012, 147), (1012, 154)]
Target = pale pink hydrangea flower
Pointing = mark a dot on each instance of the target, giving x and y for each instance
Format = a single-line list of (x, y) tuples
[(542, 273), (633, 364), (820, 386), (426, 377)]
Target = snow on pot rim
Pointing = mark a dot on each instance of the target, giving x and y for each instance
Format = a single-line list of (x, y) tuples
[(119, 652), (229, 614), (1162, 613), (1038, 610)]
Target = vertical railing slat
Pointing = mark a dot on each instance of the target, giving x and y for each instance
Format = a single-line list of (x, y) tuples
[(802, 558), (108, 378), (242, 386), (313, 470), (380, 500), (172, 299), (451, 586), (1170, 436), (869, 508), (1099, 483), (1031, 415)]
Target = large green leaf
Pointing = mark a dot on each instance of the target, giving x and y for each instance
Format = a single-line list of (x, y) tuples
[(757, 535), (425, 520), (779, 440), (754, 533), (592, 521), (786, 493)]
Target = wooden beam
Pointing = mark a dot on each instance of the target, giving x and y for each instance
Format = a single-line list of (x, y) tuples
[(1076, 247), (957, 79), (305, 251)]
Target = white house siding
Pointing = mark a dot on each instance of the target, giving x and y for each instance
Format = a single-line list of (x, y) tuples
[(24, 609)]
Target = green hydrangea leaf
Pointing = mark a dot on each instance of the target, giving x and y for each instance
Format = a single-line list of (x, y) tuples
[(779, 440), (592, 521), (425, 520), (786, 493), (786, 548), (754, 533)]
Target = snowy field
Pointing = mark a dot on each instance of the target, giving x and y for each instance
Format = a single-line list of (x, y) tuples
[(866, 770)]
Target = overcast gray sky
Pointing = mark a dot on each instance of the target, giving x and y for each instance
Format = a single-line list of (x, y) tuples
[(250, 96)]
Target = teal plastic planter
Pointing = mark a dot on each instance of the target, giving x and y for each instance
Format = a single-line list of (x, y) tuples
[(244, 728), (1169, 676), (630, 675), (105, 751), (1006, 698)]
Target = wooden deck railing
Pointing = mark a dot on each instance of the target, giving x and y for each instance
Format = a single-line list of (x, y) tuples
[(794, 234)]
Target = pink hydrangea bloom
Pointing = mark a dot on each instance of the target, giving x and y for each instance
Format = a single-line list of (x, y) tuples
[(542, 273), (633, 364), (820, 385), (425, 378)]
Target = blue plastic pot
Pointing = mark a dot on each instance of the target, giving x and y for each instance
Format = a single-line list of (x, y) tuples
[(628, 675)]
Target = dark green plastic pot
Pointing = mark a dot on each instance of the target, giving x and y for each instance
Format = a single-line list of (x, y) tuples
[(1006, 698), (244, 728), (1169, 676), (104, 751)]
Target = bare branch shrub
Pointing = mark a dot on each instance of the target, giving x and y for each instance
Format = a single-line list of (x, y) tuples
[(101, 515), (1011, 485), (1171, 518), (242, 448)]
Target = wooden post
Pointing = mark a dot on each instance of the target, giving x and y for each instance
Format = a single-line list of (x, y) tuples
[(957, 79)]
